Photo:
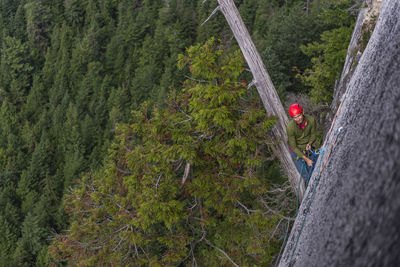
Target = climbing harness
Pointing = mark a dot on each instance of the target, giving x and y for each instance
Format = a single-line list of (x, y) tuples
[(315, 153)]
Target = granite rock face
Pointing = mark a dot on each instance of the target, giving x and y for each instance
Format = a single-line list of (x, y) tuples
[(350, 215)]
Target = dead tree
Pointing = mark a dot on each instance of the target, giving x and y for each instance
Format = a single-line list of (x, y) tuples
[(265, 88), (308, 7)]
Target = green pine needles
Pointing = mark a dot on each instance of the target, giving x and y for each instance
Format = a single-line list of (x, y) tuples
[(182, 185), (329, 54)]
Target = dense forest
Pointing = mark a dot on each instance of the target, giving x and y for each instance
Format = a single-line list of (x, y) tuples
[(128, 136)]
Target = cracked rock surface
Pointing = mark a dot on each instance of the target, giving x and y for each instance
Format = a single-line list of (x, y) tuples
[(353, 217)]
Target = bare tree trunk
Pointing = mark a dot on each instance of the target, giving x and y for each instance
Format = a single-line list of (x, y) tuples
[(266, 89), (308, 7)]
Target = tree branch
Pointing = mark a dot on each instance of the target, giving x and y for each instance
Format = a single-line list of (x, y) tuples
[(276, 212), (253, 82), (186, 173), (119, 243), (212, 14), (223, 252), (243, 206), (120, 206), (158, 181), (194, 205), (122, 228), (123, 171), (276, 229), (193, 79), (180, 161), (279, 190), (136, 250)]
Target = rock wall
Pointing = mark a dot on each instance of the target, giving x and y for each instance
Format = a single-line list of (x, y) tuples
[(350, 215)]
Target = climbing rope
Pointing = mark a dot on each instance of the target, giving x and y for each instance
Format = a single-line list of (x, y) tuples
[(298, 190), (286, 234), (321, 152), (317, 179)]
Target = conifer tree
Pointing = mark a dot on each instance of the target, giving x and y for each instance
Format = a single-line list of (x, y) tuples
[(30, 244), (8, 9), (182, 184), (9, 220), (37, 97), (8, 239), (328, 54), (30, 185), (19, 23), (72, 145), (38, 22), (16, 71), (283, 36)]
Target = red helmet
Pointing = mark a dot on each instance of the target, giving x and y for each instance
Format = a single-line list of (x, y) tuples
[(295, 109)]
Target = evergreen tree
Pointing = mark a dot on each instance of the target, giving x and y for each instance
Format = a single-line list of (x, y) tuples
[(181, 184), (38, 23), (30, 244), (19, 24), (75, 13), (328, 55), (37, 97), (30, 186), (73, 147), (7, 10), (289, 28), (9, 220), (16, 70), (246, 10), (8, 239)]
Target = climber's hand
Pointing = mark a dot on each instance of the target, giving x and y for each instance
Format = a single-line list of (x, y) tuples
[(308, 161)]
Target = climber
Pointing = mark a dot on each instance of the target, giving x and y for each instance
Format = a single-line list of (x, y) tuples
[(301, 132)]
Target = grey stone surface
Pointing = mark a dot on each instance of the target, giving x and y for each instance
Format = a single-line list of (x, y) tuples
[(354, 216)]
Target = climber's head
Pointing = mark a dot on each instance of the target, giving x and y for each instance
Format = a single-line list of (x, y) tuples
[(296, 112)]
